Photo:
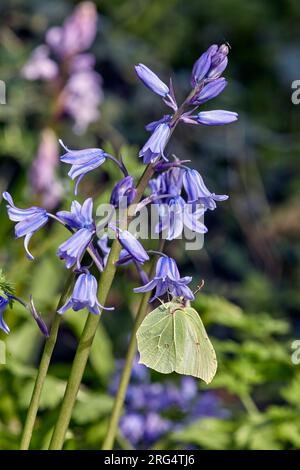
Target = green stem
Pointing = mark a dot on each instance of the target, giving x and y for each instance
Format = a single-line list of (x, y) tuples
[(89, 331), (112, 429), (43, 369)]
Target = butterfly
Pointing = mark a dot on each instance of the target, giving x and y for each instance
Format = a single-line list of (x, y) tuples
[(172, 338)]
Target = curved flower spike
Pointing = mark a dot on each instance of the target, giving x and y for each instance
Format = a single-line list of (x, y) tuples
[(29, 220), (3, 304), (84, 295), (151, 80), (82, 161)]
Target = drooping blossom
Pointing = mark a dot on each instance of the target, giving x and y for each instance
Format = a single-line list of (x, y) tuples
[(123, 192), (80, 218), (197, 191), (28, 220), (82, 162), (84, 295), (155, 145), (167, 279)]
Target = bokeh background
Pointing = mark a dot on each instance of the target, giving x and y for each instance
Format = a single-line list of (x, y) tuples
[(250, 260)]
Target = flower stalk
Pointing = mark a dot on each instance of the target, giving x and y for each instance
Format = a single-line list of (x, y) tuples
[(43, 368)]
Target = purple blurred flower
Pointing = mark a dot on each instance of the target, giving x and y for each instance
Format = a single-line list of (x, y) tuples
[(40, 66), (123, 192), (77, 33), (3, 305), (181, 403), (151, 80), (155, 427), (72, 250), (84, 295), (167, 279), (29, 220), (209, 91), (81, 97), (80, 216), (155, 145), (197, 191), (132, 426), (82, 162), (42, 173)]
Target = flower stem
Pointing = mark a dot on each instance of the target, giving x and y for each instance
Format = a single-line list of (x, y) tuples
[(89, 331), (112, 429), (43, 369)]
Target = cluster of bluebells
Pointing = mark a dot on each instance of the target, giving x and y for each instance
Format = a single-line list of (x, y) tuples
[(206, 82), (153, 409), (65, 53), (178, 192)]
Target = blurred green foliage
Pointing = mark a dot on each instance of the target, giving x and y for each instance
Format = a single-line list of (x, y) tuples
[(250, 260)]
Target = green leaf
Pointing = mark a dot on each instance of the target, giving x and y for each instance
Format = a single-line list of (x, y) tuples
[(208, 433), (92, 406), (173, 338)]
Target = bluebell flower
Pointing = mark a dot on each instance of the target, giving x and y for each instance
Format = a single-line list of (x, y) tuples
[(155, 145), (82, 162), (151, 80), (84, 295), (168, 183), (3, 304), (167, 279), (72, 250), (210, 65), (80, 216), (132, 246), (217, 117), (123, 192), (197, 191), (209, 91), (153, 125), (29, 220), (176, 214)]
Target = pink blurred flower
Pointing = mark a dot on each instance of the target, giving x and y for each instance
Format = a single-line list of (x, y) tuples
[(77, 33), (40, 66), (42, 173)]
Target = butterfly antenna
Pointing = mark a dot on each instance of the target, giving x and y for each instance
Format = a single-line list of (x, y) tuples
[(199, 287)]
